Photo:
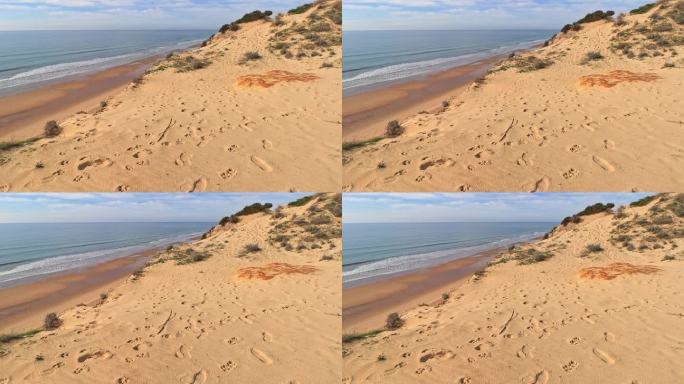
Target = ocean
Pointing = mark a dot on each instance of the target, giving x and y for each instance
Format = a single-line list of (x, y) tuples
[(28, 251), (380, 249), (377, 58), (31, 59)]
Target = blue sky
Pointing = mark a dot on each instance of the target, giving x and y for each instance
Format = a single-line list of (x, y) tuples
[(129, 14), (472, 14), (482, 207), (129, 207)]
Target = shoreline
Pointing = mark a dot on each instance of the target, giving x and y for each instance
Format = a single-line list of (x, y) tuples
[(365, 114), (24, 306), (366, 306), (23, 115)]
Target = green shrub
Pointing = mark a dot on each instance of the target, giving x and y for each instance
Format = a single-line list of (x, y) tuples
[(51, 321), (394, 129), (301, 9), (643, 201), (643, 9), (394, 321), (253, 16), (596, 16), (52, 129), (302, 201)]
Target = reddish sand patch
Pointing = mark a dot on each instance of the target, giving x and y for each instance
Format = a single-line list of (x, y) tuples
[(614, 270), (272, 78), (616, 77), (269, 271)]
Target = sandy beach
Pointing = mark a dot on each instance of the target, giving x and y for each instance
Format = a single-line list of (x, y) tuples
[(233, 115), (366, 306), (577, 306), (593, 110), (365, 115), (23, 115), (256, 300)]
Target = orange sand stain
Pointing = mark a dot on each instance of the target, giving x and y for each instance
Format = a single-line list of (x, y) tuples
[(614, 78), (614, 270), (269, 271), (272, 78)]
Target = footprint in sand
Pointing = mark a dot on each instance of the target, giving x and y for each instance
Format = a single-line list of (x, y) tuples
[(197, 378), (183, 352), (267, 337), (123, 188), (606, 358), (570, 366), (484, 154), (525, 160), (266, 144), (104, 162), (603, 164), (570, 173), (122, 380), (540, 378), (184, 159), (232, 148), (261, 356), (200, 185), (575, 340), (465, 380), (609, 337), (608, 144), (228, 173), (229, 366), (261, 164), (5, 188), (95, 355), (575, 148), (524, 352), (542, 185), (231, 341)]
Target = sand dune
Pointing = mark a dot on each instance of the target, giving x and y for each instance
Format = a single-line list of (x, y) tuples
[(192, 317), (535, 315), (558, 118), (196, 122)]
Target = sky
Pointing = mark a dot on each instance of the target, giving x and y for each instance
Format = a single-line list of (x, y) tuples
[(129, 207), (129, 14), (472, 207), (472, 14)]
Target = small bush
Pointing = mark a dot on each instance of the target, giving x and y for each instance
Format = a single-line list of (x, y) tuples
[(251, 248), (643, 201), (620, 20), (382, 165), (394, 321), (301, 202), (52, 321), (668, 258), (596, 16), (394, 129), (591, 248), (253, 16), (662, 220), (52, 129), (445, 296), (668, 65), (591, 56), (40, 165), (301, 9), (327, 258), (103, 296), (250, 56), (643, 9)]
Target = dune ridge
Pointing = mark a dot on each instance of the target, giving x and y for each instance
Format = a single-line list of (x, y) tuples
[(188, 318), (595, 109), (530, 317), (187, 125)]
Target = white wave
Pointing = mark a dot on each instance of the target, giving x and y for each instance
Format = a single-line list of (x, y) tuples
[(64, 70), (63, 263), (409, 70), (399, 264)]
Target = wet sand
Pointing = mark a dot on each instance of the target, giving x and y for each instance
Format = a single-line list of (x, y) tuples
[(24, 115), (23, 307), (366, 306), (365, 115)]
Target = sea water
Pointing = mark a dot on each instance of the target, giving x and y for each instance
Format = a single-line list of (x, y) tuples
[(371, 251), (376, 58), (30, 59), (28, 251)]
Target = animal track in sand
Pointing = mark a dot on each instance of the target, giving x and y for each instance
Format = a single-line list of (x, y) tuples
[(267, 337), (197, 378), (606, 358), (525, 160), (611, 271), (575, 148), (614, 78), (183, 352), (228, 173), (270, 271), (608, 144), (570, 366), (272, 78), (570, 173), (261, 356), (575, 340), (232, 148), (228, 366), (263, 165), (540, 378), (266, 144), (123, 188), (606, 166)]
